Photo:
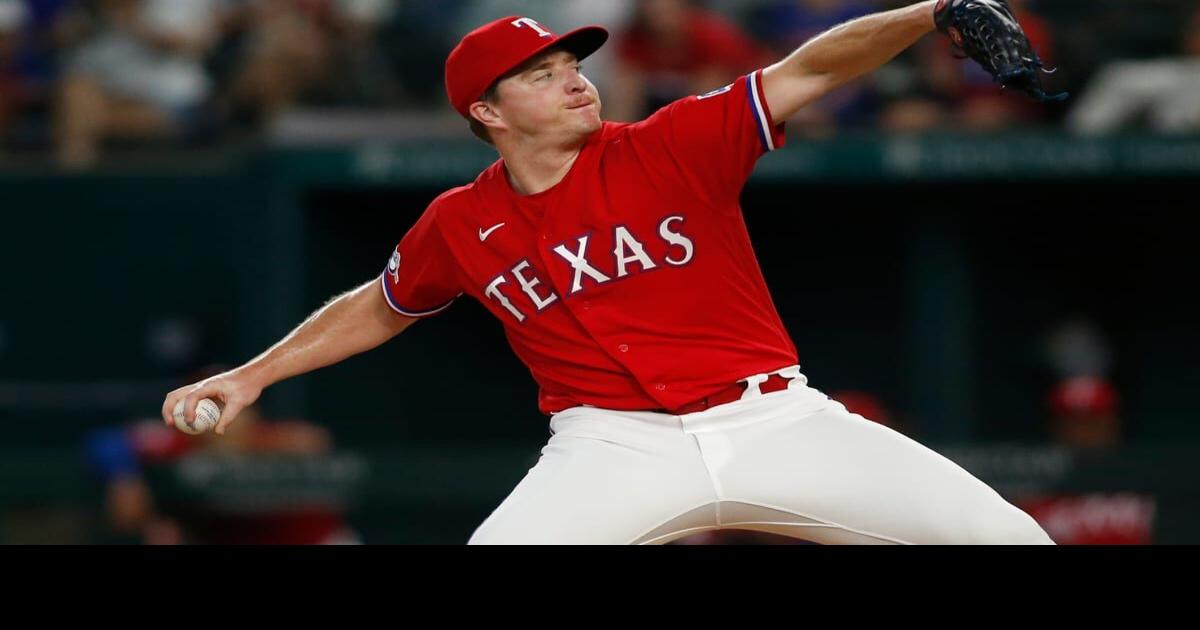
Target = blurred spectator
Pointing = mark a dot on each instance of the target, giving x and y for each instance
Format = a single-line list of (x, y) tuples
[(1083, 403), (279, 49), (120, 457), (1163, 94), (415, 42), (364, 77), (1077, 347), (785, 25), (310, 52), (31, 33), (1084, 417), (13, 17), (919, 88), (672, 50), (138, 75), (1084, 413)]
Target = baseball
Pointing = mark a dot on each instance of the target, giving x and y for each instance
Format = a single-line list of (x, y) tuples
[(207, 415)]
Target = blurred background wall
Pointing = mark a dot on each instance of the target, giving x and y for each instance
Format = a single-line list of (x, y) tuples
[(183, 181)]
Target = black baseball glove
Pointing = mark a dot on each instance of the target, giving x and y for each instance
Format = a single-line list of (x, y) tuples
[(986, 31)]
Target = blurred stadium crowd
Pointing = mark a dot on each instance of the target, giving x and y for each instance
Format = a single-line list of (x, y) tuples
[(77, 76)]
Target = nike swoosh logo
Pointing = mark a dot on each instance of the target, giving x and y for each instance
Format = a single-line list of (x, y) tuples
[(483, 236)]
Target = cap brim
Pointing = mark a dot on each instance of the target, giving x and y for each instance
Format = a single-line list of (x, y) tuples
[(580, 42)]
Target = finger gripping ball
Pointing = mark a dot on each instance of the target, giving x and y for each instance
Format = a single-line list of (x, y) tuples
[(207, 416)]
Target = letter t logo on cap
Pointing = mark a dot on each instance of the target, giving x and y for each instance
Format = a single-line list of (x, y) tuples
[(533, 25)]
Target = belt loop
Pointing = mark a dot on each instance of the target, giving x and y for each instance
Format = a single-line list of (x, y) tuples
[(796, 380), (752, 383)]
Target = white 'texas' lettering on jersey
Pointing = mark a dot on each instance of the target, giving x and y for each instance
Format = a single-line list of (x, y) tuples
[(625, 241), (675, 238), (527, 285), (627, 249), (581, 265), (493, 292)]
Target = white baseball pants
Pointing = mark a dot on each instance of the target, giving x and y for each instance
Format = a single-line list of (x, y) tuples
[(792, 462)]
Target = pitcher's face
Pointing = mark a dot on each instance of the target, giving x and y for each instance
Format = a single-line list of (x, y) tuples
[(550, 97)]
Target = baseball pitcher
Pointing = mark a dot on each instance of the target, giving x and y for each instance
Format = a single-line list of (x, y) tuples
[(617, 260)]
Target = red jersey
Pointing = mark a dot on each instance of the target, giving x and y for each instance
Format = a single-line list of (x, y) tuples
[(631, 284)]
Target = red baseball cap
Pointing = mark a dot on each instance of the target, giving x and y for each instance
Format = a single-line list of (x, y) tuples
[(492, 50)]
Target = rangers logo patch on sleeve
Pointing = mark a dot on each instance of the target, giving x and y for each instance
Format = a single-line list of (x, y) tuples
[(394, 266)]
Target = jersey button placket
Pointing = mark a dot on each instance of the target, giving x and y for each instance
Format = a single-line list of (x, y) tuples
[(623, 348)]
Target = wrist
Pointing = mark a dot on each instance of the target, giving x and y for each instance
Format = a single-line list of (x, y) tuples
[(251, 375)]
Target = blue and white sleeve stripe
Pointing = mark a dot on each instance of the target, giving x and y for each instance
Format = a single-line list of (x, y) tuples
[(758, 107), (406, 312)]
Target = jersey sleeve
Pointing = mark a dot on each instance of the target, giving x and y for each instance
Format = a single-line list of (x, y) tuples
[(421, 277), (715, 139)]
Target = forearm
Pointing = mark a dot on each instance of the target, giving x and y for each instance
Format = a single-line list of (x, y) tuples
[(354, 322), (862, 45), (841, 54)]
